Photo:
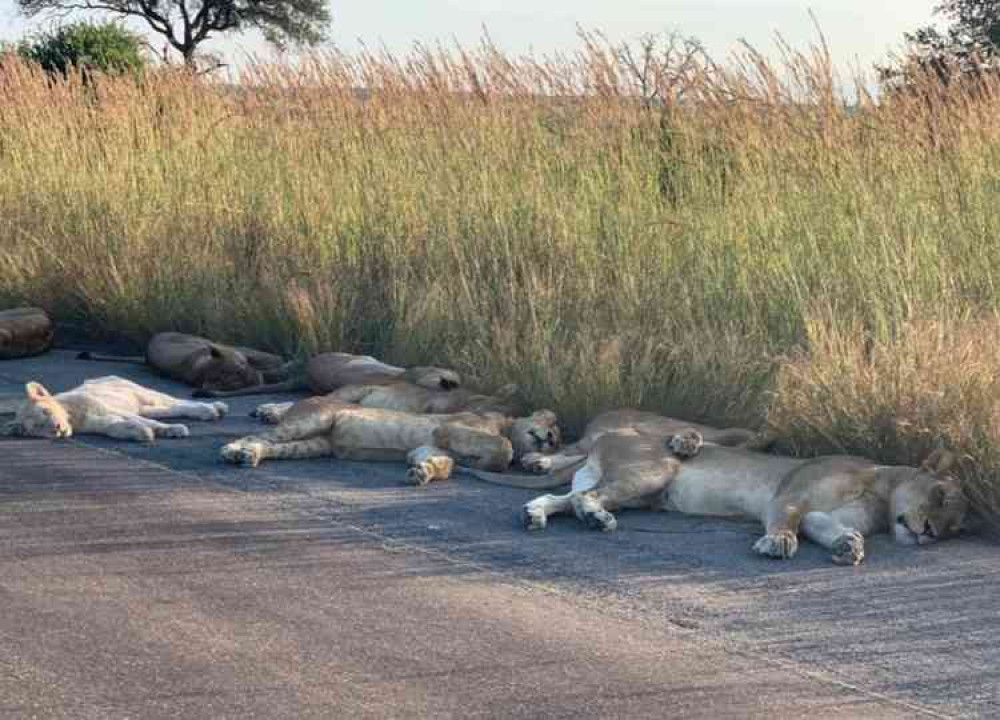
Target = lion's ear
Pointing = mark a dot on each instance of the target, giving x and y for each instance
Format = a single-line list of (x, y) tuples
[(507, 391), (939, 461), (36, 391), (215, 352), (11, 429)]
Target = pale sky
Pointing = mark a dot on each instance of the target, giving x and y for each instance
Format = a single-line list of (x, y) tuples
[(858, 31)]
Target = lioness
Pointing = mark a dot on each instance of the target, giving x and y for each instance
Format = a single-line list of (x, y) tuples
[(431, 444), (109, 406), (331, 371), (206, 365), (835, 501), (24, 332)]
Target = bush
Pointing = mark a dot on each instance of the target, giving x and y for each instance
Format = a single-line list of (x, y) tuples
[(107, 47)]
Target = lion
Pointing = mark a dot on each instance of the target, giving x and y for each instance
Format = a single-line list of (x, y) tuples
[(834, 501), (24, 332), (206, 365), (431, 444), (327, 372), (111, 406)]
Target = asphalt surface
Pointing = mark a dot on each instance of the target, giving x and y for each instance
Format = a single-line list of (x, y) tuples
[(154, 582)]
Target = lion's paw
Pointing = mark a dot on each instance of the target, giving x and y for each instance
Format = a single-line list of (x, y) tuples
[(849, 549), (782, 545), (686, 444), (418, 475), (237, 454), (601, 520), (174, 431), (533, 518), (267, 413), (536, 463), (221, 410)]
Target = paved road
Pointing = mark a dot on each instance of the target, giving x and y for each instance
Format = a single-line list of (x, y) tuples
[(153, 582)]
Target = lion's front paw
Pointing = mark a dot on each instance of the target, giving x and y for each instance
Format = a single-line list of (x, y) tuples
[(536, 463), (174, 431), (418, 475), (267, 413), (686, 444), (533, 518), (782, 544), (238, 454), (849, 549)]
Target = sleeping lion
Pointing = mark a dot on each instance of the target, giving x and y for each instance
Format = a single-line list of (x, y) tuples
[(834, 501), (431, 444), (110, 406)]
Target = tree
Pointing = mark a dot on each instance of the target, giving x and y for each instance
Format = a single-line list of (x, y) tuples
[(106, 47), (970, 45), (186, 24)]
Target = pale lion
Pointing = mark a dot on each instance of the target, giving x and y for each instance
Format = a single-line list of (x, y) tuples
[(431, 444), (109, 406), (201, 363), (834, 501)]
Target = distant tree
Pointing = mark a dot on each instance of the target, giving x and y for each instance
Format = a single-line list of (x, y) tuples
[(969, 46), (107, 47), (186, 24)]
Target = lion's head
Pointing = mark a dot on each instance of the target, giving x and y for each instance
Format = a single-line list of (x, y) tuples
[(928, 505), (433, 378), (226, 369), (40, 415), (537, 433)]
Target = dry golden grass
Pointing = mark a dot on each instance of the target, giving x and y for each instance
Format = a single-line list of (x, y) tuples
[(727, 243)]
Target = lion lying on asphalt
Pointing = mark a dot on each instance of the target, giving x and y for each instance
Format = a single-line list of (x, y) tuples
[(331, 371), (110, 406), (206, 365), (24, 332), (431, 444), (834, 501)]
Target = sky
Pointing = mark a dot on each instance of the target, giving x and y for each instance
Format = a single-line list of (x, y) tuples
[(859, 32)]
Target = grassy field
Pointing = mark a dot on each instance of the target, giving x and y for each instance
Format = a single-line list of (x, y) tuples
[(761, 252)]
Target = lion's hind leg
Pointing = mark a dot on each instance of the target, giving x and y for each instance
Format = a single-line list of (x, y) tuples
[(428, 463), (251, 451), (535, 514)]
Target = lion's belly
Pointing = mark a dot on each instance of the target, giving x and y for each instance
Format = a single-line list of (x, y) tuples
[(388, 431), (706, 492), (389, 398)]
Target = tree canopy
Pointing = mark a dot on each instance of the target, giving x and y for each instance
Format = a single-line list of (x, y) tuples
[(107, 47), (186, 24)]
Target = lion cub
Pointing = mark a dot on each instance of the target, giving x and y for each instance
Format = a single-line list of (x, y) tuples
[(110, 406)]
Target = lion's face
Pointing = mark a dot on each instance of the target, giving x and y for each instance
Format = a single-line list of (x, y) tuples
[(929, 505), (433, 378), (537, 433), (41, 415), (228, 370)]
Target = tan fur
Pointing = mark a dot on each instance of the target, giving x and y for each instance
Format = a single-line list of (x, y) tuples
[(211, 367), (559, 467), (110, 406), (322, 426), (835, 501), (332, 371), (24, 332)]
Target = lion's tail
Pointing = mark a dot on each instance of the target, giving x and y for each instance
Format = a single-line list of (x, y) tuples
[(520, 480), (87, 355)]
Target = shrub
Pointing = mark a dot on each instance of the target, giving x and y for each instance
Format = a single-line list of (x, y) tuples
[(106, 47)]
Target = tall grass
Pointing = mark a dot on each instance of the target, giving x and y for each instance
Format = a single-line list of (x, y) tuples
[(732, 243)]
